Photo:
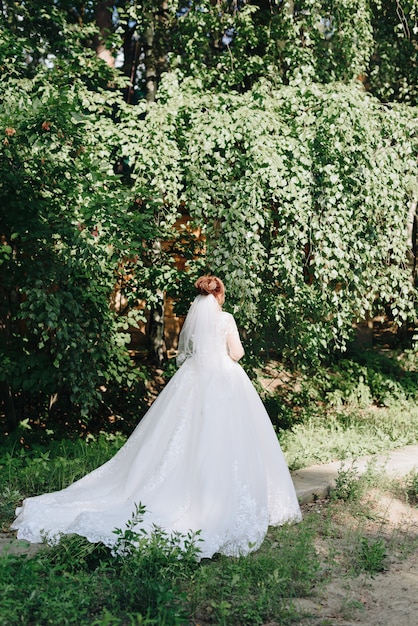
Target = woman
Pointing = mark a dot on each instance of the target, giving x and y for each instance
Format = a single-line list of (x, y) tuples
[(204, 458)]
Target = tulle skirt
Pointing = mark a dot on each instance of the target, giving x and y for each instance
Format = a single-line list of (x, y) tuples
[(204, 458)]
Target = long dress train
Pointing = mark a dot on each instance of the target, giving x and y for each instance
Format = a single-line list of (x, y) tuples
[(205, 458)]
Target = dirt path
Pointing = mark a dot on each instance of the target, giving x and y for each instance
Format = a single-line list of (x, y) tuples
[(8, 544), (389, 598)]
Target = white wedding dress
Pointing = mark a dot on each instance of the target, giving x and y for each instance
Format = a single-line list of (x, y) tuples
[(205, 457)]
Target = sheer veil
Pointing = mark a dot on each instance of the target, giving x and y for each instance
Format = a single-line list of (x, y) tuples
[(201, 335)]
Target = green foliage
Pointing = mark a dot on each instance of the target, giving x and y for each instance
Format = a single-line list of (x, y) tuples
[(224, 45), (315, 40), (348, 486), (157, 581), (28, 471), (72, 234), (360, 405), (296, 180), (412, 488), (302, 196), (372, 555), (342, 435), (393, 70), (228, 46), (364, 378), (40, 34)]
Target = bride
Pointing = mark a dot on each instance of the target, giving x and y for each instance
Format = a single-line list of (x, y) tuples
[(204, 458)]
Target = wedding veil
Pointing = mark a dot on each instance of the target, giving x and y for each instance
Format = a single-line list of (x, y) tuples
[(201, 335)]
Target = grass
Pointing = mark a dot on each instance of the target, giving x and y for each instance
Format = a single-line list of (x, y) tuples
[(80, 583), (345, 537), (345, 434), (356, 407)]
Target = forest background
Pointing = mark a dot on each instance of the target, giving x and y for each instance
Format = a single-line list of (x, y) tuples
[(142, 144)]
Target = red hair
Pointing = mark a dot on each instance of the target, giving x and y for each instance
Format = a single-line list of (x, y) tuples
[(207, 285)]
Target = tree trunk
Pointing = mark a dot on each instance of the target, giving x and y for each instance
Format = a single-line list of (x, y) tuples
[(156, 330), (103, 13), (150, 45), (412, 237), (9, 406), (156, 319), (150, 62)]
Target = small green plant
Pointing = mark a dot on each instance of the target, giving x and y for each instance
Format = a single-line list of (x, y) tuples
[(348, 486), (348, 606), (74, 553), (134, 540), (412, 488), (8, 499), (160, 562), (372, 555)]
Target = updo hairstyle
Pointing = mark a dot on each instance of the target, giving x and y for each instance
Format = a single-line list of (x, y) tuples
[(207, 285)]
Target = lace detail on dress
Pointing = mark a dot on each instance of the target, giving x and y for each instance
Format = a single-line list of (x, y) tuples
[(176, 447), (246, 530)]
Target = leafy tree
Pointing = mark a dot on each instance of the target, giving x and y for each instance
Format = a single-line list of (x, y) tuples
[(44, 34), (393, 69), (226, 44), (71, 234), (257, 138), (231, 45), (302, 194)]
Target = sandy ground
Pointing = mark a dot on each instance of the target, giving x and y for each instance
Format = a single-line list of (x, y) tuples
[(389, 598)]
